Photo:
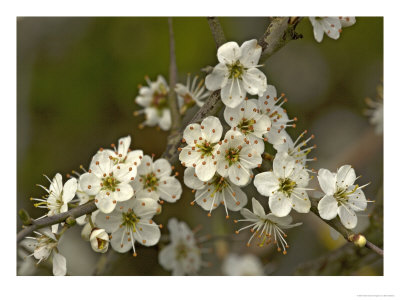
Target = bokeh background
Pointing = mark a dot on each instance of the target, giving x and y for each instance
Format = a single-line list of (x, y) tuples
[(77, 80)]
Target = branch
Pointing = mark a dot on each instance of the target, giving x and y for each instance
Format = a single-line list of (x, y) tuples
[(216, 31), (76, 212), (338, 226), (173, 104), (279, 32), (275, 37)]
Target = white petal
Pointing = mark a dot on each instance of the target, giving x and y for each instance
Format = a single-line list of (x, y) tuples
[(134, 157), (239, 176), (279, 204), (266, 183), (192, 133), (300, 201), (357, 200), (59, 264), (146, 166), (191, 180), (101, 164), (317, 29), (119, 240), (345, 176), (229, 53), (111, 221), (347, 21), (247, 214), (332, 26), (147, 234), (251, 52), (212, 129), (162, 168), (90, 183), (257, 208), (189, 157), (328, 207), (218, 77), (206, 171), (145, 208), (234, 197), (249, 156), (105, 201), (233, 93), (124, 172), (167, 257), (69, 190), (123, 145), (347, 217), (151, 116), (56, 185), (283, 165), (327, 181), (170, 189), (255, 81), (123, 192), (165, 120)]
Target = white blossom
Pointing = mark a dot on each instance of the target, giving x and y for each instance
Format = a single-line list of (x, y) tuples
[(45, 245), (285, 186), (219, 190), (237, 157), (271, 105), (247, 119), (182, 256), (123, 154), (203, 142), (294, 149), (191, 94), (331, 26), (237, 72), (109, 183), (342, 197), (131, 222), (58, 197), (154, 180), (242, 265), (266, 227), (154, 99), (99, 240)]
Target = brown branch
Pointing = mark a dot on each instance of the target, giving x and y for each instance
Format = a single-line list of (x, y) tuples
[(172, 101), (216, 31), (76, 212), (338, 226)]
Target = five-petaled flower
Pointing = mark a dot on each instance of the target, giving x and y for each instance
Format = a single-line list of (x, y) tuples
[(203, 142), (154, 99), (286, 186), (191, 94), (342, 197), (58, 197), (331, 26), (237, 72), (154, 180), (219, 190), (109, 183), (131, 222), (266, 227), (182, 256)]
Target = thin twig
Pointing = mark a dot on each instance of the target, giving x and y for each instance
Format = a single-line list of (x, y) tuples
[(76, 212), (216, 31), (338, 226), (172, 101)]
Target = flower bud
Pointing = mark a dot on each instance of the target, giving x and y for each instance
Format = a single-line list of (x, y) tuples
[(99, 240), (358, 239), (86, 231)]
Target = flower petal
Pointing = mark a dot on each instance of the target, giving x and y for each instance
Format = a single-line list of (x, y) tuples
[(251, 52), (257, 208), (255, 82), (233, 93), (123, 192), (59, 264), (266, 183), (347, 216), (300, 201), (212, 129), (191, 180), (229, 53), (119, 240), (69, 190), (165, 120), (90, 183), (147, 234), (105, 201), (345, 176), (162, 168), (327, 181), (328, 207), (192, 133), (279, 204), (283, 165), (218, 77), (170, 189)]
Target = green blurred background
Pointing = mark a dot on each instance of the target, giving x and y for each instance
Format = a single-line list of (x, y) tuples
[(77, 80)]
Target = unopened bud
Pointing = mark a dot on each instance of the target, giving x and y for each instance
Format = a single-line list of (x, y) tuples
[(99, 240), (358, 239)]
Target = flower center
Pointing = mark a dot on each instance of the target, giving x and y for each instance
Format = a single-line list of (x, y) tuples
[(286, 186), (219, 183), (236, 70), (101, 243), (150, 181), (232, 155), (342, 195), (181, 251), (246, 126), (159, 100), (206, 148), (109, 183), (129, 220)]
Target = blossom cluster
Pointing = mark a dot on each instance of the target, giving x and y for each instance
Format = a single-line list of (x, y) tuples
[(250, 144)]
